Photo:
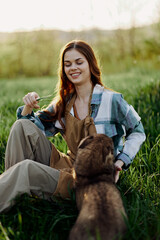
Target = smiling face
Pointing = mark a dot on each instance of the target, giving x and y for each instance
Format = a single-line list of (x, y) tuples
[(76, 67)]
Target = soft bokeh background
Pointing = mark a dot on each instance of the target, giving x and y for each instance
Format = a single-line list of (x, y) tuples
[(125, 34)]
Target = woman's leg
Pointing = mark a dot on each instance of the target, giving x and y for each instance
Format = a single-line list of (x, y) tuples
[(27, 177), (26, 141)]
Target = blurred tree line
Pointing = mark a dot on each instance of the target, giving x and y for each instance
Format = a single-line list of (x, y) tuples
[(37, 53)]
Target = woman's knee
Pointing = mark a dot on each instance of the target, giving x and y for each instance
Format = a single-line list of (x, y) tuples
[(24, 164), (19, 124), (29, 164), (19, 167), (24, 126), (35, 171)]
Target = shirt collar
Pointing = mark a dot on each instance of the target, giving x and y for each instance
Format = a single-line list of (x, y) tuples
[(97, 94)]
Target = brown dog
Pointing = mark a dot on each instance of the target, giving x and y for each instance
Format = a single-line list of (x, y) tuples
[(101, 209)]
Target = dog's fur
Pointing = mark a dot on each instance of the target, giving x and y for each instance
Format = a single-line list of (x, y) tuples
[(101, 211)]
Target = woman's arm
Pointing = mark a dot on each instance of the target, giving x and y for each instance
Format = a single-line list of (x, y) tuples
[(30, 103), (40, 118), (126, 116)]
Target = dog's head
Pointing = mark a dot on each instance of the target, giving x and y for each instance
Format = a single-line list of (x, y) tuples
[(94, 156)]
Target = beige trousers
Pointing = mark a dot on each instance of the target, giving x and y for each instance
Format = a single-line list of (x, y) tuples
[(33, 175), (26, 141), (27, 177)]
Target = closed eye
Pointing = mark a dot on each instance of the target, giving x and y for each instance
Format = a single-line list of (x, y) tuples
[(79, 63), (67, 65)]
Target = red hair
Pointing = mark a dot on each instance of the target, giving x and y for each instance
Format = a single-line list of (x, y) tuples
[(65, 88)]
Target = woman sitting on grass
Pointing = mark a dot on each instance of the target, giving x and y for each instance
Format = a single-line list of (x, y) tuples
[(82, 107)]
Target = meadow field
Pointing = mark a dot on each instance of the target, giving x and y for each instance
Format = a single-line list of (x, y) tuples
[(35, 219)]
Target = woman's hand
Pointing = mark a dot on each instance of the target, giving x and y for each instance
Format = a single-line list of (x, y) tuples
[(30, 103), (30, 100), (118, 164)]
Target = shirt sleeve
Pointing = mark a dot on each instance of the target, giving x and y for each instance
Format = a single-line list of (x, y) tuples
[(134, 132), (41, 119)]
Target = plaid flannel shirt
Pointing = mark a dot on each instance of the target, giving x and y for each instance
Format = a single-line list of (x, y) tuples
[(112, 116)]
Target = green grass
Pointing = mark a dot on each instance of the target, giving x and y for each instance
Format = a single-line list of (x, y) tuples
[(32, 218)]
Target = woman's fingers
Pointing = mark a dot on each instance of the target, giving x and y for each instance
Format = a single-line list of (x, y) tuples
[(30, 100), (118, 169), (34, 96), (116, 176), (27, 102)]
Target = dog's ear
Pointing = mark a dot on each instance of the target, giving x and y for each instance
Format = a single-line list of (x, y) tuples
[(73, 174), (107, 151), (109, 159), (84, 142)]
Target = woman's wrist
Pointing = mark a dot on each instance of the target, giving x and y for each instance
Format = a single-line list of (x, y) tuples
[(26, 110), (119, 163)]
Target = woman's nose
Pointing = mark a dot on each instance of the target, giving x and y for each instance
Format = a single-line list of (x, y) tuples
[(73, 67)]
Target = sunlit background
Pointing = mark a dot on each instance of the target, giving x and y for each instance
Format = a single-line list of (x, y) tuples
[(125, 34), (20, 15)]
